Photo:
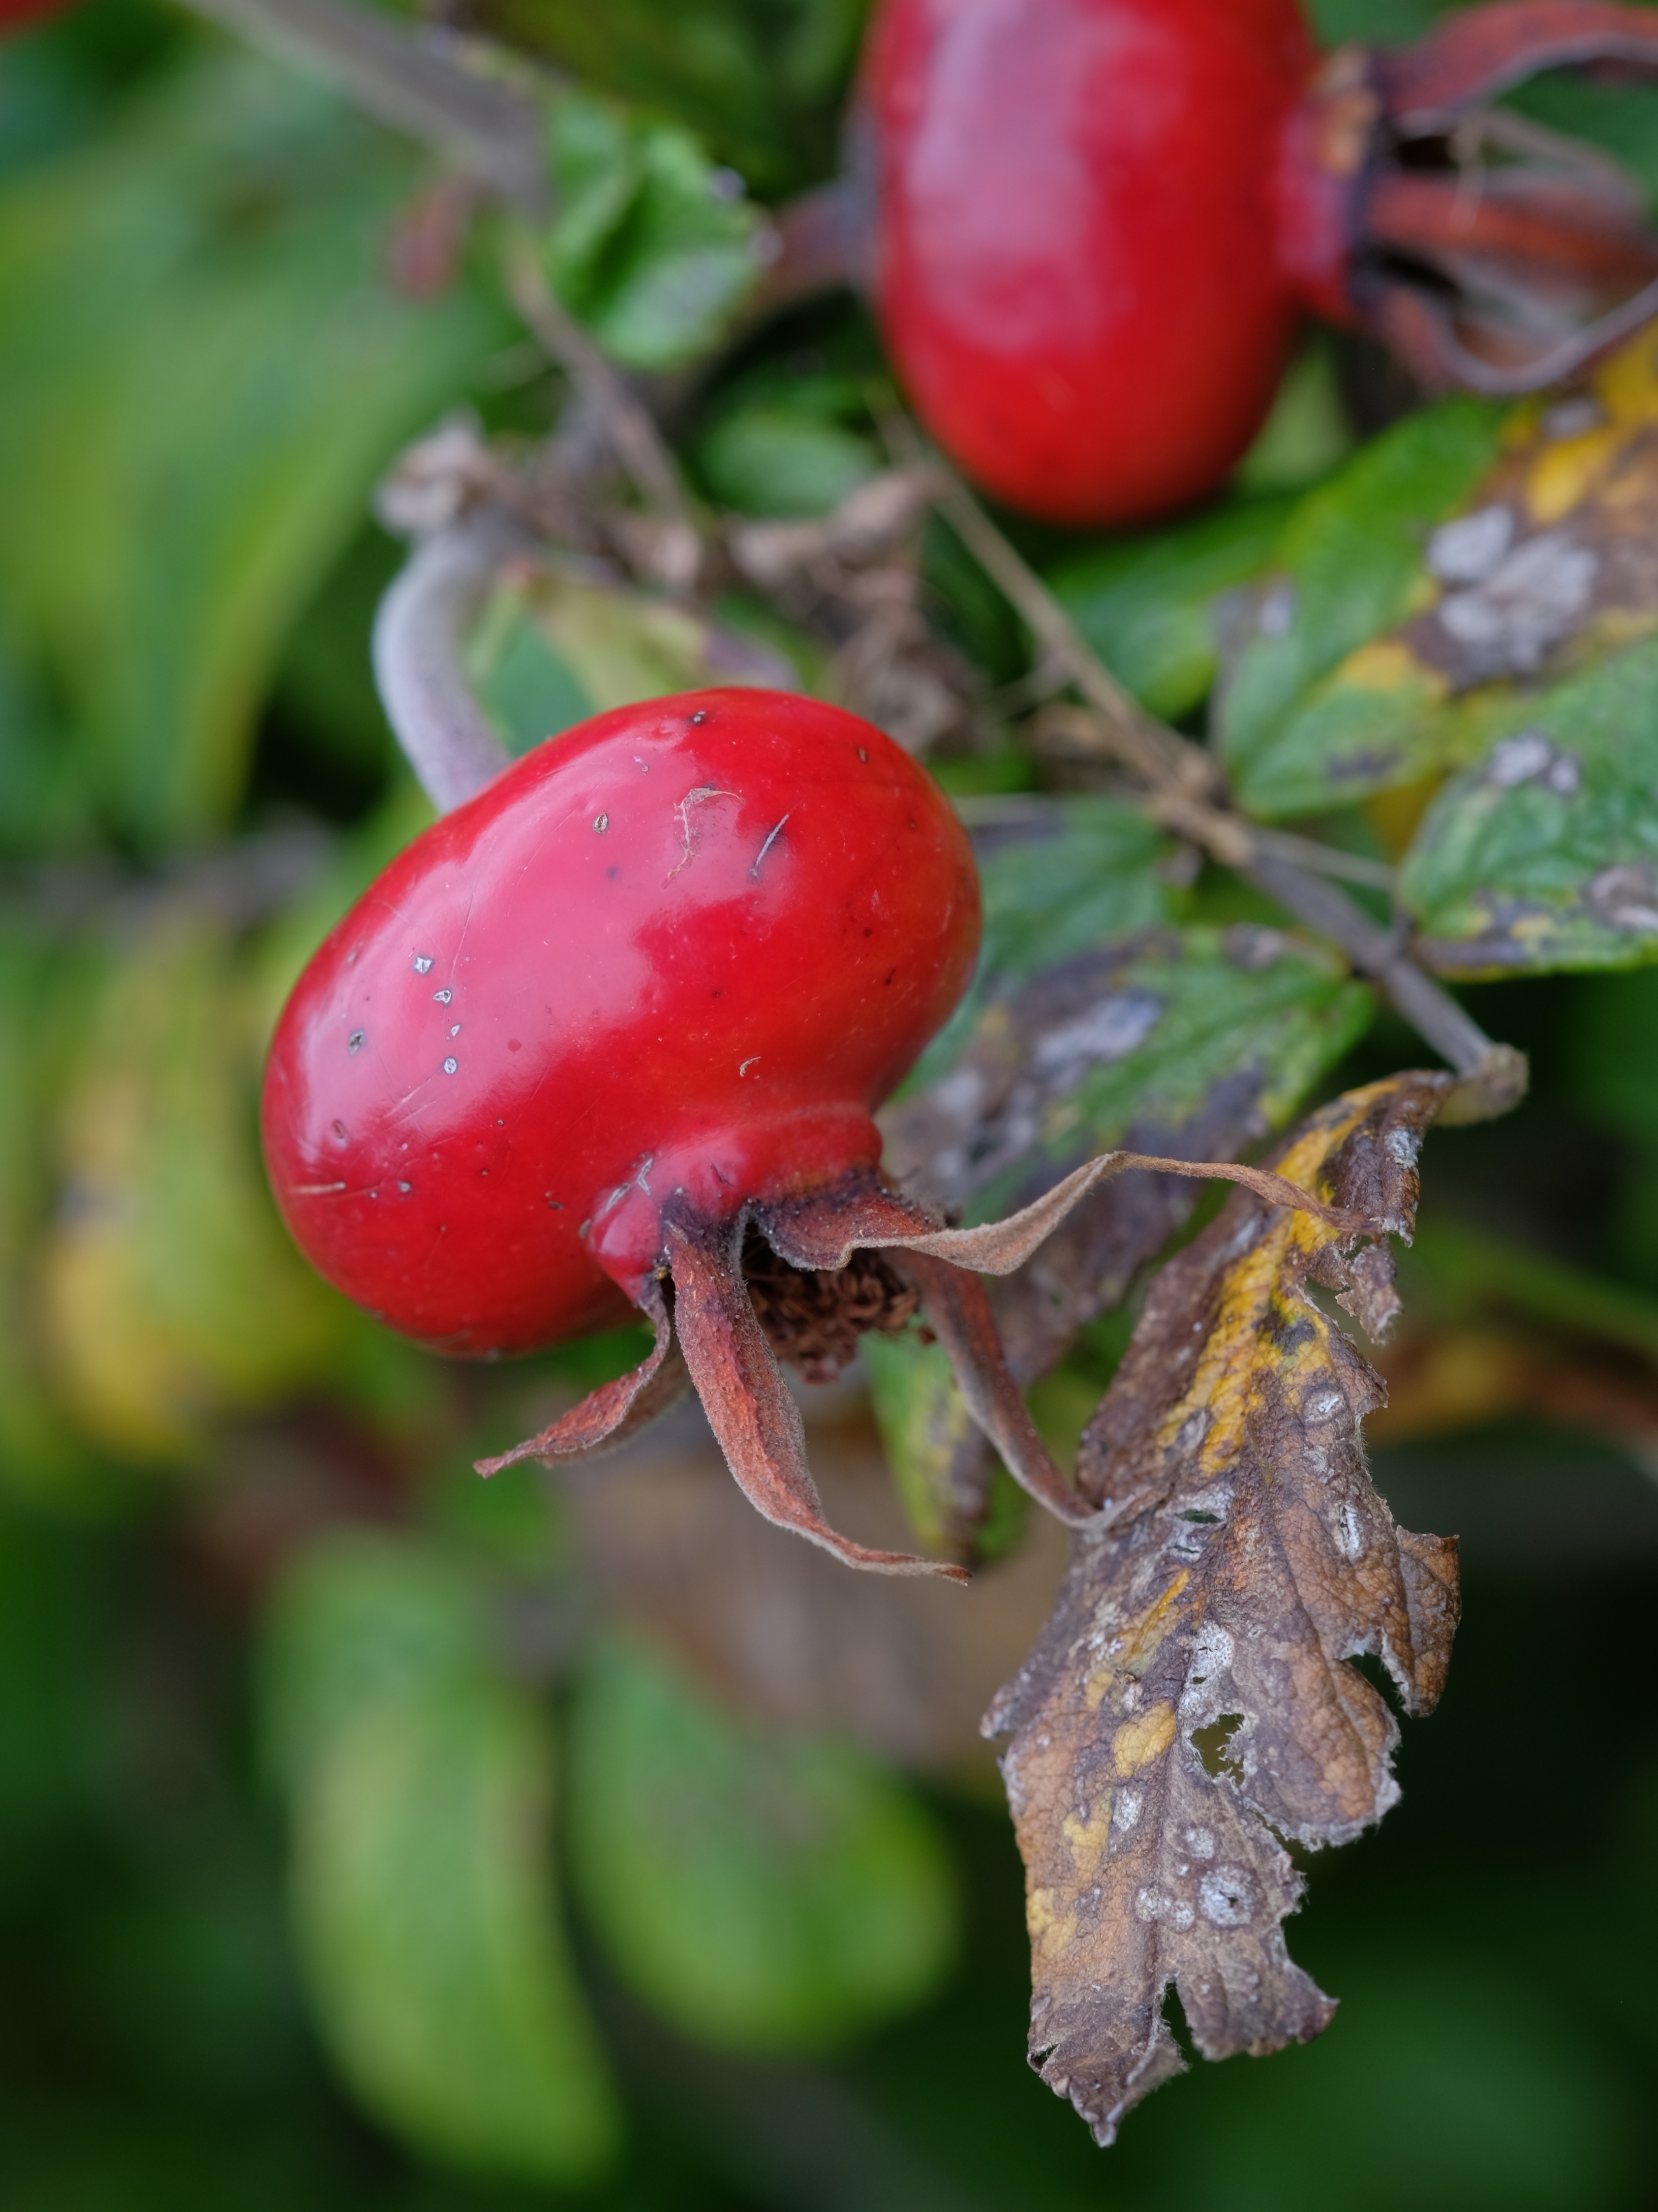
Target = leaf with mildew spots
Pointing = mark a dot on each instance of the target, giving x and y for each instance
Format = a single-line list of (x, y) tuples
[(1294, 733), (1545, 856), (1362, 670), (1189, 1043), (1191, 1706)]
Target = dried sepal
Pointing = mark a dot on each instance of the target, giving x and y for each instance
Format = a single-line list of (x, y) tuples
[(613, 1413), (747, 1401)]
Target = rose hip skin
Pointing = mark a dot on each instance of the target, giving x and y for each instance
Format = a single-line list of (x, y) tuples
[(1078, 277), (685, 948)]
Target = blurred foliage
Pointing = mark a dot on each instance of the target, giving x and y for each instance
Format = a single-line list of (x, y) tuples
[(783, 1976), (170, 1296), (761, 81), (647, 246), (553, 645), (205, 372), (761, 1892), (419, 1780)]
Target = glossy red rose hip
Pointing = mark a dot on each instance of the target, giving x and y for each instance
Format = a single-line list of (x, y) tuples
[(680, 952), (1078, 277)]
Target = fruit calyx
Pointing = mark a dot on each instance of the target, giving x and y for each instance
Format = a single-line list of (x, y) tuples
[(1482, 249), (714, 1334)]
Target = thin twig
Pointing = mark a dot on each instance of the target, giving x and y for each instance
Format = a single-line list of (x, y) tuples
[(485, 125), (638, 444), (1182, 788)]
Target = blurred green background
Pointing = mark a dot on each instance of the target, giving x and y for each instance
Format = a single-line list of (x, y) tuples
[(369, 1838)]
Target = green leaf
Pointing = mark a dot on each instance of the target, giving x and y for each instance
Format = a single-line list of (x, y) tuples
[(780, 461), (761, 1892), (1296, 731), (46, 994), (1545, 855), (1306, 434), (202, 373), (649, 248), (171, 1297), (552, 646), (1152, 1033), (935, 1453), (1143, 603), (420, 1786), (1068, 877), (761, 80), (356, 1621)]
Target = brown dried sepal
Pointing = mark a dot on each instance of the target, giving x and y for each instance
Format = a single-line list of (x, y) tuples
[(1191, 1702)]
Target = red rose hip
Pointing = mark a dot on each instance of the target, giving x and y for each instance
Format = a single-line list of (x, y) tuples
[(686, 947), (635, 1000)]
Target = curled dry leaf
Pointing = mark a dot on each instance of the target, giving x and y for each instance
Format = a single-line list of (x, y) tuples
[(1191, 1702)]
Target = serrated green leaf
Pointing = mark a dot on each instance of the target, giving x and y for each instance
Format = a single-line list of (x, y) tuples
[(1143, 603), (1307, 434), (1545, 855), (1080, 872), (552, 646), (761, 1892), (419, 1780), (1148, 1033), (202, 372), (647, 249), (1294, 734)]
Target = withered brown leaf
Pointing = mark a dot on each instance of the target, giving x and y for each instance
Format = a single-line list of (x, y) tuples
[(1190, 1707)]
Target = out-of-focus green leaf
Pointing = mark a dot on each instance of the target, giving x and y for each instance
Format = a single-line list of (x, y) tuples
[(50, 1650), (553, 645), (775, 461), (761, 80), (358, 1621), (420, 1784), (1080, 872), (1306, 434), (935, 1453), (1297, 731), (45, 994), (170, 1295), (1545, 854), (761, 1892), (1143, 603), (202, 371), (649, 248)]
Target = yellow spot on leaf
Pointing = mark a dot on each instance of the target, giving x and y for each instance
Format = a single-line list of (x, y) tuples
[(1136, 1643), (1087, 1838), (1388, 665), (1145, 1738), (1563, 475)]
